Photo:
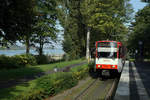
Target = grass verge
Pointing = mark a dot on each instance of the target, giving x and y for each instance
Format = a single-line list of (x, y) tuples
[(45, 86), (13, 74)]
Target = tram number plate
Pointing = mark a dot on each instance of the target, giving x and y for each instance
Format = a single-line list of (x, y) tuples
[(105, 72)]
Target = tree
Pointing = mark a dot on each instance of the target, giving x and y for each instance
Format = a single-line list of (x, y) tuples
[(105, 18), (45, 26), (140, 30), (16, 20), (74, 28)]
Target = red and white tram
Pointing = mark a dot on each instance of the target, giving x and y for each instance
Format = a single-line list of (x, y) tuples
[(110, 57)]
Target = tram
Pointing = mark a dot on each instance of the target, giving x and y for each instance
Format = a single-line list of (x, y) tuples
[(110, 57)]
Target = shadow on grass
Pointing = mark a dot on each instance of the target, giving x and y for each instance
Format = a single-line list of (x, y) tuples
[(15, 81)]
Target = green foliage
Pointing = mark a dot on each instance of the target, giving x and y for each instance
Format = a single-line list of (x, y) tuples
[(80, 72), (43, 59), (45, 31), (32, 22), (25, 59), (31, 95), (104, 18), (16, 21), (50, 85), (7, 62), (18, 73), (54, 84), (140, 31), (66, 57), (17, 61)]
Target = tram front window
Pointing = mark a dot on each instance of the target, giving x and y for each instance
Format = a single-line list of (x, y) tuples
[(107, 55)]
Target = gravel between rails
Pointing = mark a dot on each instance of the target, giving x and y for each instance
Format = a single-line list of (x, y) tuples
[(88, 89), (97, 91), (70, 94), (112, 90)]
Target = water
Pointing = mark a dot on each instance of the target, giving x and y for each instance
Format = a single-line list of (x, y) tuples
[(45, 51)]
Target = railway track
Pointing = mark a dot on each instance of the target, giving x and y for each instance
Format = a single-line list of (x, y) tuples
[(99, 90)]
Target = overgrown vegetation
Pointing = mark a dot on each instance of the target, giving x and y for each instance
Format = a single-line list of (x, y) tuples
[(14, 74), (45, 86), (139, 41), (17, 61)]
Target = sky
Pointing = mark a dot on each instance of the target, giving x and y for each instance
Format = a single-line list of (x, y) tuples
[(137, 4)]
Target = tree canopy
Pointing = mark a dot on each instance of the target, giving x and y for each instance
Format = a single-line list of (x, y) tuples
[(34, 22), (140, 30), (28, 21), (104, 18), (16, 19)]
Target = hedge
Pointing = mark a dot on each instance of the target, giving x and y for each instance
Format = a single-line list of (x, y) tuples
[(17, 61), (43, 59), (50, 85)]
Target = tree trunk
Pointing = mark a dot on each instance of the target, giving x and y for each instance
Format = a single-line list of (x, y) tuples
[(41, 46), (87, 45), (40, 51), (27, 45)]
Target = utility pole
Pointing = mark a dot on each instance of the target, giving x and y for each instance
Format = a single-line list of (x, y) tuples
[(87, 45)]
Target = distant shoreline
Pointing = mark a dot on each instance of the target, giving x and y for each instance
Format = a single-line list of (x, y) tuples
[(11, 52)]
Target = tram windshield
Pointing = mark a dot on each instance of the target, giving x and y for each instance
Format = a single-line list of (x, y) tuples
[(107, 50), (107, 54)]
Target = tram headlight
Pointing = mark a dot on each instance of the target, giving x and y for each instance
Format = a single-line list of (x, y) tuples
[(99, 65), (113, 66)]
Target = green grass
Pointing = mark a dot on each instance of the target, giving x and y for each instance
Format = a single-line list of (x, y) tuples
[(78, 68), (32, 70), (26, 88), (9, 93)]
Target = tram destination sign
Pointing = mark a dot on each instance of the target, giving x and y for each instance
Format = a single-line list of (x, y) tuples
[(107, 44)]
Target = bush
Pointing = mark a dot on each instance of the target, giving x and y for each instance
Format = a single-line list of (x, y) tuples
[(43, 59), (81, 74), (50, 85), (68, 57), (24, 60), (31, 95), (17, 61), (54, 84), (6, 62)]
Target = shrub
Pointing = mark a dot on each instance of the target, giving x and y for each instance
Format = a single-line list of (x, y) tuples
[(54, 84), (33, 94), (17, 61), (6, 62), (43, 59), (50, 85), (68, 57), (81, 74), (24, 60)]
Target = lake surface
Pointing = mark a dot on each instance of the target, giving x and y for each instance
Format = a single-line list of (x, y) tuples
[(45, 51)]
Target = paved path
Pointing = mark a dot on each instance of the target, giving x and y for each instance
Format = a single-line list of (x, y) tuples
[(11, 83), (134, 83)]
